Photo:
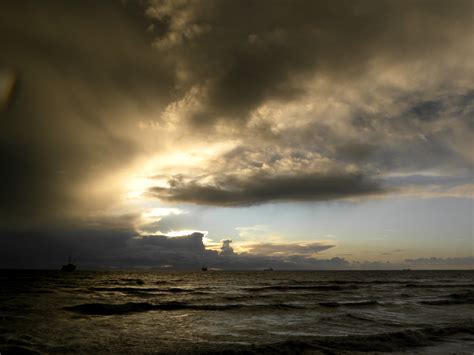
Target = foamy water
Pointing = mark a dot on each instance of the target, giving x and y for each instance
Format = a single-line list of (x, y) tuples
[(286, 312)]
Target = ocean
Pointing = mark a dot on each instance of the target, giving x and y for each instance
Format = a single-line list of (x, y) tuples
[(314, 312)]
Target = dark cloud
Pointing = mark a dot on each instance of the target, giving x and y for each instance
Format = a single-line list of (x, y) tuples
[(312, 100), (355, 151), (76, 64), (49, 248), (105, 248), (427, 180), (244, 54), (192, 243), (238, 191), (428, 110), (98, 247), (226, 248), (300, 81)]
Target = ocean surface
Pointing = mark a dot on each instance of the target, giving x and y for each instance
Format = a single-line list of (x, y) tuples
[(327, 312)]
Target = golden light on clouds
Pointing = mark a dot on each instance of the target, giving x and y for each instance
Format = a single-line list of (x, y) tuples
[(157, 170), (161, 212), (178, 117)]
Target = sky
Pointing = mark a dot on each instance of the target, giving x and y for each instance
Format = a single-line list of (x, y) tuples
[(237, 134)]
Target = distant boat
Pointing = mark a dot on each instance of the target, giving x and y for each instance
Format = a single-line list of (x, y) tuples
[(69, 267), (269, 269), (204, 268)]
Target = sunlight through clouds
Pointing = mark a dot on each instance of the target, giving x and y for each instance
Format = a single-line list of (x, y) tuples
[(166, 120)]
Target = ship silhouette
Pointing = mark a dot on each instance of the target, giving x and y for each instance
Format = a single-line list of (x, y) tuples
[(69, 267)]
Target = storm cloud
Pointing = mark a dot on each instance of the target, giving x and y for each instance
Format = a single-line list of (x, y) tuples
[(121, 249), (236, 191), (246, 53), (341, 91), (78, 67), (112, 109), (352, 92), (99, 248)]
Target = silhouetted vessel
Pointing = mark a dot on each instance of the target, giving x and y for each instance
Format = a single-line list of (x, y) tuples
[(204, 268), (69, 267)]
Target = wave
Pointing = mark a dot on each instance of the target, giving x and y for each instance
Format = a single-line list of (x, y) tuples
[(15, 349), (349, 304), (421, 285), (347, 282), (28, 291), (146, 292), (134, 307), (301, 288), (128, 281), (452, 299), (139, 290), (381, 342), (178, 290), (132, 290), (371, 282), (110, 309)]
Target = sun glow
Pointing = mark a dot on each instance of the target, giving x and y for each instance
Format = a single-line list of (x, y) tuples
[(161, 212), (180, 233), (137, 186), (156, 171)]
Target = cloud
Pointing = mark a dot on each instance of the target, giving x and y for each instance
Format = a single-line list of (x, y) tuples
[(81, 81), (105, 245), (286, 248), (441, 263), (433, 263), (308, 97), (238, 67), (190, 252), (225, 104), (226, 248), (238, 191), (192, 242), (307, 92)]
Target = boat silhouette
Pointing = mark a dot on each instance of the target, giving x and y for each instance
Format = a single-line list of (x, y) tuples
[(69, 267)]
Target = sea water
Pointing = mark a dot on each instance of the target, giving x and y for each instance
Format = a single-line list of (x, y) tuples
[(118, 312)]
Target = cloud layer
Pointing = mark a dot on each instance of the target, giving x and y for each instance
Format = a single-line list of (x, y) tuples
[(121, 249), (320, 103), (82, 74), (315, 105), (112, 108), (254, 189)]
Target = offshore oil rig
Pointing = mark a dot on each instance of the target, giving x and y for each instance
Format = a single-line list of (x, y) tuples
[(69, 267)]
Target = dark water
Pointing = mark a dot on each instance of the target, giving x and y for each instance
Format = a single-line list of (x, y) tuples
[(273, 312)]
